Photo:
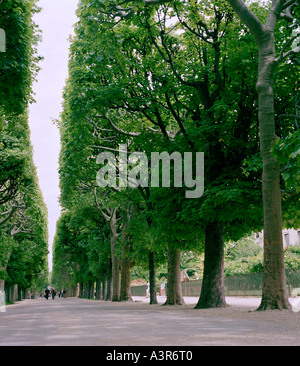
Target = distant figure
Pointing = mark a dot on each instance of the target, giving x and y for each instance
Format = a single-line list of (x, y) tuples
[(47, 292), (53, 293), (64, 293), (148, 289)]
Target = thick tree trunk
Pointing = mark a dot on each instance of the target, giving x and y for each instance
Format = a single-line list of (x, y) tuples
[(103, 286), (98, 289), (152, 279), (174, 289), (212, 293), (125, 294), (274, 282), (109, 281), (115, 259)]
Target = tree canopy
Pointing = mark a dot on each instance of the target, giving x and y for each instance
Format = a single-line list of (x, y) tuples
[(23, 213), (168, 77)]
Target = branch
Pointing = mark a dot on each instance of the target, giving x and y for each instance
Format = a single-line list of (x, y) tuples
[(125, 13), (108, 148), (283, 55), (248, 17), (289, 4), (131, 134), (287, 15), (106, 217), (10, 213), (180, 124)]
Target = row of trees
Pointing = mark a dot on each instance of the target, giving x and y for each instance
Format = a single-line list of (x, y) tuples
[(180, 76), (23, 214)]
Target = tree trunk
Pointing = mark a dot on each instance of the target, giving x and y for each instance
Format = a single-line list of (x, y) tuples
[(98, 288), (274, 280), (212, 293), (115, 259), (152, 279), (109, 281), (125, 294), (174, 289)]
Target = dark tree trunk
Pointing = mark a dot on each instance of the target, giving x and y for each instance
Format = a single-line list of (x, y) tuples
[(174, 289), (125, 294), (109, 282), (98, 288), (115, 259), (152, 277), (212, 293)]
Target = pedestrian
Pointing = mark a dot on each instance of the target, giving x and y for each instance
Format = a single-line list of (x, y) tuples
[(53, 292), (47, 292), (148, 289)]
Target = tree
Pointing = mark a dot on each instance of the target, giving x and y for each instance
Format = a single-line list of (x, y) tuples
[(192, 97), (274, 283), (24, 227), (164, 78), (23, 215), (18, 64)]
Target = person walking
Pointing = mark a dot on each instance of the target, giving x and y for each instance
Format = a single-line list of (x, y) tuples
[(53, 293), (47, 292)]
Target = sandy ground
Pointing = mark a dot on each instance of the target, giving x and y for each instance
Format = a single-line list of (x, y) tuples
[(79, 322)]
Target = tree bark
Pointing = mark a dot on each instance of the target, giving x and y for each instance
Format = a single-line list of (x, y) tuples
[(274, 280), (152, 279), (108, 296), (212, 293), (98, 288), (174, 289), (115, 259), (125, 294)]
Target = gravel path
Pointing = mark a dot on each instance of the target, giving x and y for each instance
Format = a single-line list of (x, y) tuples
[(79, 322)]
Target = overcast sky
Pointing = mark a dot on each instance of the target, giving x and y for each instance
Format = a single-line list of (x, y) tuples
[(56, 21)]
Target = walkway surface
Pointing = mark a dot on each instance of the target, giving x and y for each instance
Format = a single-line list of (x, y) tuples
[(77, 322)]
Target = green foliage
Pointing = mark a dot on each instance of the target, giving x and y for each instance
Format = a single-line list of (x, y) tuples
[(178, 77), (23, 214), (246, 257), (287, 151), (18, 65)]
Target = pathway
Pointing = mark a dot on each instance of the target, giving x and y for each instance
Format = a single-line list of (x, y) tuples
[(80, 322)]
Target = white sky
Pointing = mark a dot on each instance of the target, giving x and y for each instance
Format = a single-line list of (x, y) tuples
[(56, 21)]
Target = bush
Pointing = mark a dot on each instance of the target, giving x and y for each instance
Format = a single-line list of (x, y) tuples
[(254, 264)]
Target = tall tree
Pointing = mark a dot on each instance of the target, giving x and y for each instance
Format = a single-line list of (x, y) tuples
[(18, 64), (274, 283)]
